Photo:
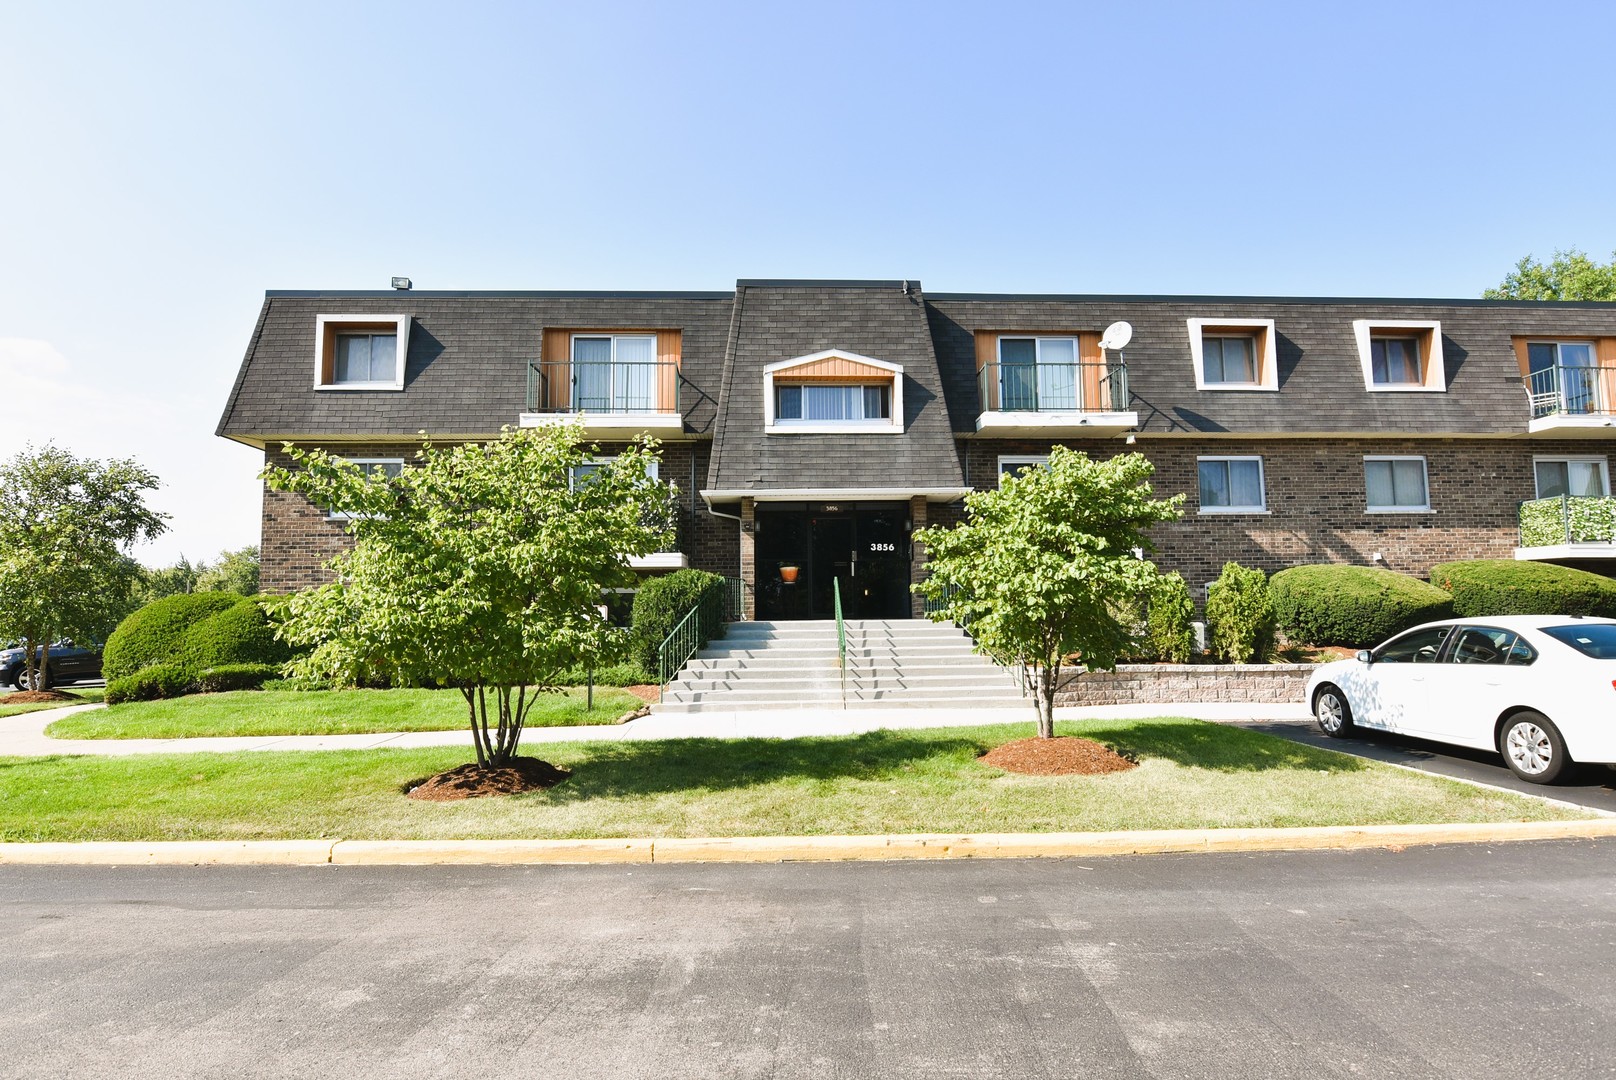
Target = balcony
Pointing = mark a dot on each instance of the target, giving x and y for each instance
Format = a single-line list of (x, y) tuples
[(1572, 402), (1568, 527), (1054, 399), (612, 399)]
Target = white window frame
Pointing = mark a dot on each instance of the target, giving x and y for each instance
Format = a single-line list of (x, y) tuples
[(653, 470), (328, 327), (1034, 460), (1432, 371), (773, 425), (1568, 459), (364, 464), (1262, 485), (612, 363), (1425, 474), (1264, 344)]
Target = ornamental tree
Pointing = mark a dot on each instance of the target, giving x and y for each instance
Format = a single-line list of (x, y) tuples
[(66, 527), (1570, 275), (479, 567), (1042, 565)]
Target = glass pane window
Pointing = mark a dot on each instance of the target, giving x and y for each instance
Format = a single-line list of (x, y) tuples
[(820, 402), (614, 373), (1571, 476), (1395, 361), (364, 358), (1015, 466), (1395, 484), (1231, 484), (378, 469), (1038, 374), (1420, 647), (1229, 360)]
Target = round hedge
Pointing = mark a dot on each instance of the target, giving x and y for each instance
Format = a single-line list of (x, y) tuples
[(1483, 587), (240, 634), (661, 602), (1352, 605), (156, 633)]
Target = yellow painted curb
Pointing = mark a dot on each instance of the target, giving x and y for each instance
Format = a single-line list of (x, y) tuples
[(172, 853), (775, 849), (489, 852)]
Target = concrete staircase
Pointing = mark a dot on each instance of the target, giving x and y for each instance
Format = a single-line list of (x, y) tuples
[(792, 665)]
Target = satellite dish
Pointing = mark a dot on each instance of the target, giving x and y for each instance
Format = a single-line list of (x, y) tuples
[(1117, 336)]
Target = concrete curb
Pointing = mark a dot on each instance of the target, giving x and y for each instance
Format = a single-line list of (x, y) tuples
[(775, 849)]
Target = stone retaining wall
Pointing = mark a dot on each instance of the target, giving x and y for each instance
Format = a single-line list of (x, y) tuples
[(1150, 684)]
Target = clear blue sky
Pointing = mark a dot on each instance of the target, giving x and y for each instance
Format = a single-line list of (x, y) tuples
[(161, 165)]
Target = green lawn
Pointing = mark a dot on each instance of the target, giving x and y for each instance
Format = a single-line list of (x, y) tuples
[(1192, 774), (84, 696), (322, 712)]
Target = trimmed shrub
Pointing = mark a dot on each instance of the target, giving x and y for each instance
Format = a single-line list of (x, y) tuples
[(630, 674), (1352, 605), (1239, 615), (156, 633), (240, 634), (661, 602), (1169, 612), (148, 684), (235, 677), (1482, 587)]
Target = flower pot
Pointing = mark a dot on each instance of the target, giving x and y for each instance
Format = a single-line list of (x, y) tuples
[(788, 574)]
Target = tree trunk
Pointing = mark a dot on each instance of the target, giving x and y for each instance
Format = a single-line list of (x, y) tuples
[(1045, 700), (496, 743)]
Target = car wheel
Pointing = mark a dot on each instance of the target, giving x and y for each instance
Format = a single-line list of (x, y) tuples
[(1532, 748), (1331, 710), (13, 678)]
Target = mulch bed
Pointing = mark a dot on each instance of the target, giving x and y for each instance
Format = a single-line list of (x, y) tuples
[(471, 782), (1064, 756), (38, 697), (645, 693)]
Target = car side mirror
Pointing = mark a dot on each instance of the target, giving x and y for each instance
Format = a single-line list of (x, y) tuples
[(1364, 656)]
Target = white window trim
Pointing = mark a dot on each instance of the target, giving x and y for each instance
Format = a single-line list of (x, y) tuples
[(1436, 376), (1425, 473), (364, 464), (1267, 357), (1590, 459), (772, 425), (1035, 460), (1262, 484), (653, 468), (336, 323)]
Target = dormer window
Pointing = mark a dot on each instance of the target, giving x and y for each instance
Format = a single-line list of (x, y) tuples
[(360, 352), (1400, 355), (833, 392), (1233, 354)]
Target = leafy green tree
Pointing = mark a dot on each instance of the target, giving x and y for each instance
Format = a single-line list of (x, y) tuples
[(480, 567), (235, 571), (168, 581), (1042, 565), (66, 527), (1570, 275)]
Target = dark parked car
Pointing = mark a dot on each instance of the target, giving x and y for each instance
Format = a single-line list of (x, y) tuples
[(67, 663)]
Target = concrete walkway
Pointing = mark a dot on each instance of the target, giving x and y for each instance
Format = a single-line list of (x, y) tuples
[(24, 735)]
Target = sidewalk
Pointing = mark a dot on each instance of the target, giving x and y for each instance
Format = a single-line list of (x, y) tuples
[(24, 735)]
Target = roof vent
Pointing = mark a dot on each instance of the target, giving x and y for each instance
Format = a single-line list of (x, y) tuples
[(403, 284)]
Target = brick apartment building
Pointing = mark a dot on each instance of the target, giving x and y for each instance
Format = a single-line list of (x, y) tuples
[(817, 424)]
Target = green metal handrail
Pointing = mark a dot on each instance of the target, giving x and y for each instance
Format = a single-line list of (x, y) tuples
[(617, 386), (1088, 387), (841, 635), (735, 599), (678, 647)]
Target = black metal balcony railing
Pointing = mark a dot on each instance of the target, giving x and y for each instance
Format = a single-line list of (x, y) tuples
[(1082, 387), (630, 386), (1571, 391)]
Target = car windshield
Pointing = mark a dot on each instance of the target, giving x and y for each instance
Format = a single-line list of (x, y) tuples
[(1597, 640)]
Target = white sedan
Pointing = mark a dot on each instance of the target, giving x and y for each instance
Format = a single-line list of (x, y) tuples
[(1539, 689)]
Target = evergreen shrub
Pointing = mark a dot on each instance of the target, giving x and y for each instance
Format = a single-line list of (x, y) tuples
[(1168, 617), (661, 602), (1240, 615), (148, 684), (1352, 605), (1482, 587), (156, 633)]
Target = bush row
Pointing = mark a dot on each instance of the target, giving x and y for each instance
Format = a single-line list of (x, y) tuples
[(172, 680), (1356, 606), (191, 643)]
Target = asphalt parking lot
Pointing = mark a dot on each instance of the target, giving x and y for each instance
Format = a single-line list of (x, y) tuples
[(1593, 786)]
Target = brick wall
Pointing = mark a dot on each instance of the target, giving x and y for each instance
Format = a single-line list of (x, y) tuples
[(1315, 496), (1161, 684), (298, 538)]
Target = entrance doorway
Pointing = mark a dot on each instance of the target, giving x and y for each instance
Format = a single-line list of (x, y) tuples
[(863, 547)]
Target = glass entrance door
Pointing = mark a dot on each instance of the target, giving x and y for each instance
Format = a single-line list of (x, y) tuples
[(802, 550)]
